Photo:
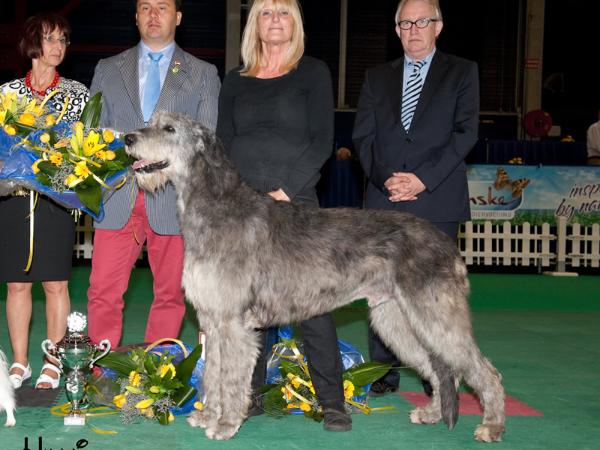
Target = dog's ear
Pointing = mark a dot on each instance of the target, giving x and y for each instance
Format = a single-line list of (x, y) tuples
[(220, 174)]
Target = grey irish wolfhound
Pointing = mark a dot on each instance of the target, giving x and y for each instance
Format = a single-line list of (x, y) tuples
[(252, 262)]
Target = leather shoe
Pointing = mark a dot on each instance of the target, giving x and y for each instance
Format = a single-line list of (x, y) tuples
[(380, 387), (256, 407), (335, 420)]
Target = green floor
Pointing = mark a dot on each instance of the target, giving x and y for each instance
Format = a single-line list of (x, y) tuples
[(543, 334)]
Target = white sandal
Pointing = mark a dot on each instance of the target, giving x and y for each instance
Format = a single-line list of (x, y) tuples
[(17, 378), (45, 378)]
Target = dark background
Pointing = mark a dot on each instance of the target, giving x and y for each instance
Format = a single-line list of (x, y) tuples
[(485, 31)]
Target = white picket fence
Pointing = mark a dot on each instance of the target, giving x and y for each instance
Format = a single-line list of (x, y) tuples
[(486, 244)]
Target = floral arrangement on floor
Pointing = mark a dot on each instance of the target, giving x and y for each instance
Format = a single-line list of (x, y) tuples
[(148, 384), (295, 393), (72, 164)]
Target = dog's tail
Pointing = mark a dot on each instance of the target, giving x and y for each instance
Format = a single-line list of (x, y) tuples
[(448, 391)]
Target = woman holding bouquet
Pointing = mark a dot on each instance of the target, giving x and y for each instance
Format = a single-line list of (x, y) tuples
[(45, 40), (276, 122)]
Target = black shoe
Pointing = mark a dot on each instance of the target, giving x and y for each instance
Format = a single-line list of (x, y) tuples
[(335, 420), (256, 407), (380, 387)]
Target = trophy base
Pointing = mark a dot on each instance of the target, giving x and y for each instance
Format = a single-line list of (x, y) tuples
[(75, 420)]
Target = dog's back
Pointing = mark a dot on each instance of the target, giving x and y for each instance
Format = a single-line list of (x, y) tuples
[(7, 397)]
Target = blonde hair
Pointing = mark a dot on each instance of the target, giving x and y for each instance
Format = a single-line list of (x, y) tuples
[(251, 48)]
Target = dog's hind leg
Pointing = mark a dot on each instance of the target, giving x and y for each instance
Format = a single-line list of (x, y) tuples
[(443, 324), (390, 323), (239, 347), (485, 380)]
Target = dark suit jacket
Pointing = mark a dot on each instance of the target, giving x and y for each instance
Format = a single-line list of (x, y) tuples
[(442, 132)]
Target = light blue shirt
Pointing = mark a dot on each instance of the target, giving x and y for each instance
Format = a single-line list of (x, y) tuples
[(408, 68), (144, 63)]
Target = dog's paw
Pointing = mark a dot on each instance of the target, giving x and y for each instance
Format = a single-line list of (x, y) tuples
[(425, 416), (199, 419), (489, 433), (10, 420), (221, 432)]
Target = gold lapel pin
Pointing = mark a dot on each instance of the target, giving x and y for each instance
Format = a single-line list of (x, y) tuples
[(176, 66)]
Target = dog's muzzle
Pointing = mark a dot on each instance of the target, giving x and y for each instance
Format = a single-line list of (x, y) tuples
[(142, 165)]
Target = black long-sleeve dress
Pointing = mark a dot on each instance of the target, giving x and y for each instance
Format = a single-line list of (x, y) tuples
[(279, 132)]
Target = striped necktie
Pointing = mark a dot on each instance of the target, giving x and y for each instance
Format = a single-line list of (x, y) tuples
[(152, 88), (410, 96)]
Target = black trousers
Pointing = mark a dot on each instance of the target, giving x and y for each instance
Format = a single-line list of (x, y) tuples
[(324, 361), (380, 352)]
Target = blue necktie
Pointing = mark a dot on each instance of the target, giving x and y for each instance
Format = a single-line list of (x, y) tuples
[(410, 96), (152, 88)]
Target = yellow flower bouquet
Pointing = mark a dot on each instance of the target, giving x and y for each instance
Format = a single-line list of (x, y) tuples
[(148, 383), (84, 160), (293, 392), (70, 163)]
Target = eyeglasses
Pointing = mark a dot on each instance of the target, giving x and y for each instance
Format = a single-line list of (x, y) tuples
[(52, 40), (419, 23), (270, 13)]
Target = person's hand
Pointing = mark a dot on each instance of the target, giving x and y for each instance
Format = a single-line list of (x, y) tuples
[(404, 186), (279, 195)]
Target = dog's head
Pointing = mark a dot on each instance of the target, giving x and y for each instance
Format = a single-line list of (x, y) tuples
[(165, 149)]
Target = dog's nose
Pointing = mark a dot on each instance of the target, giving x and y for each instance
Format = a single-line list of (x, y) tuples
[(130, 139)]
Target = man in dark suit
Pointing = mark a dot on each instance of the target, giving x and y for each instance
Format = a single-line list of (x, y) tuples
[(416, 122), (154, 75)]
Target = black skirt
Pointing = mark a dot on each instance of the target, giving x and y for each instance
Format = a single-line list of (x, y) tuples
[(54, 236)]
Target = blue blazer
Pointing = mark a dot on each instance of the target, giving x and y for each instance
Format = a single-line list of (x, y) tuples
[(193, 90), (443, 131)]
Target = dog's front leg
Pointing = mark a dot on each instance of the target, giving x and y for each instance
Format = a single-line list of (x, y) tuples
[(238, 352), (211, 412)]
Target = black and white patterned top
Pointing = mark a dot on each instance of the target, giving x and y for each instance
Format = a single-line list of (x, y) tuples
[(77, 92)]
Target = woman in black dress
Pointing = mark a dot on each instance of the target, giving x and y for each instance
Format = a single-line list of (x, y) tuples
[(276, 122), (45, 40)]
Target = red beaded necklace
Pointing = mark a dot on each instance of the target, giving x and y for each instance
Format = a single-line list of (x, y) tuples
[(41, 93)]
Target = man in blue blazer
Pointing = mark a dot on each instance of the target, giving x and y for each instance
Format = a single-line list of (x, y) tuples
[(416, 122), (154, 75)]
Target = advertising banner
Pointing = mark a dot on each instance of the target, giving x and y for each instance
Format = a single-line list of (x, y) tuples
[(534, 194)]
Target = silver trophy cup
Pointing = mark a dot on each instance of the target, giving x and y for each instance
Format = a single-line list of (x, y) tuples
[(76, 355)]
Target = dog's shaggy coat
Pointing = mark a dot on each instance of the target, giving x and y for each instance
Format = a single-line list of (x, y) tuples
[(7, 394), (253, 262)]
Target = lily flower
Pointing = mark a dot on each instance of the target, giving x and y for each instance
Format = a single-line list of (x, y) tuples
[(134, 378), (72, 180), (163, 369), (106, 155), (27, 119), (143, 404), (91, 144), (108, 136), (56, 158), (82, 170), (119, 400), (34, 166), (50, 120)]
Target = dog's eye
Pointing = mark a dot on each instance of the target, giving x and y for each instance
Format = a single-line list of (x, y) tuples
[(169, 128)]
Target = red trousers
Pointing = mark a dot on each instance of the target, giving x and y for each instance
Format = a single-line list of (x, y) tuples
[(115, 253)]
